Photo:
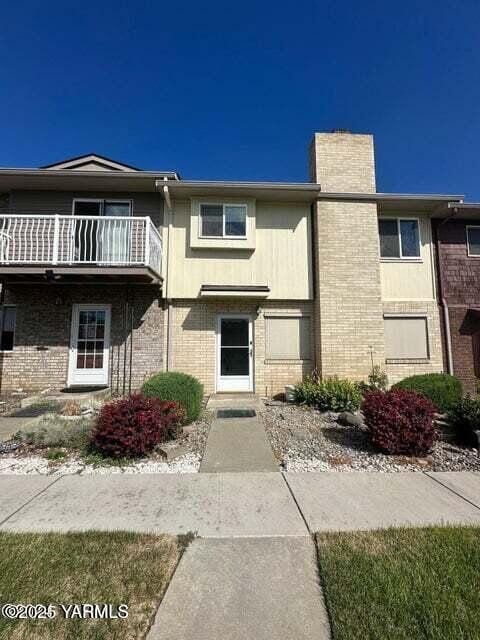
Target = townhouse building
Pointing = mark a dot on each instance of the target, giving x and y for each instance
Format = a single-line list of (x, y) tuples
[(111, 273)]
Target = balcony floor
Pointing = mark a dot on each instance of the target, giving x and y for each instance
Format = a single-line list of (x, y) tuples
[(81, 274)]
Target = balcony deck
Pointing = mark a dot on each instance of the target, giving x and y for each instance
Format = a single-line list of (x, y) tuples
[(70, 248)]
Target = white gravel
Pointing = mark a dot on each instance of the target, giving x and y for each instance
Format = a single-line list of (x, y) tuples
[(28, 465), (306, 440)]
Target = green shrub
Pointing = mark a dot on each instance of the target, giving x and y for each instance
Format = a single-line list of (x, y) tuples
[(177, 387), (55, 431), (377, 381), (329, 394), (464, 417), (56, 454), (442, 389)]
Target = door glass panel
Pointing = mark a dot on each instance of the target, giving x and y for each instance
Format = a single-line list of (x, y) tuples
[(234, 332), (90, 339), (235, 361), (85, 231), (87, 208), (234, 347), (117, 209)]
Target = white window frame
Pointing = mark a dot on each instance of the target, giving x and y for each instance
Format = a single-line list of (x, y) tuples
[(402, 257), (408, 316), (102, 202), (223, 205), (467, 228), (11, 306)]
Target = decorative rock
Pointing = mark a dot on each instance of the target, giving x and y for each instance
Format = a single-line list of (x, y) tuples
[(309, 441), (188, 430), (350, 419), (170, 453)]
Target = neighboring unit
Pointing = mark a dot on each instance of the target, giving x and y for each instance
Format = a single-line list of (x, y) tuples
[(457, 241), (111, 273)]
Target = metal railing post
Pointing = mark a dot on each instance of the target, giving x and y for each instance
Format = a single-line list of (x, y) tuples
[(56, 238), (147, 241)]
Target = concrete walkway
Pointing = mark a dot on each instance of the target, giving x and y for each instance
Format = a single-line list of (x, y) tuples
[(238, 445), (9, 426), (253, 574), (249, 589), (217, 505)]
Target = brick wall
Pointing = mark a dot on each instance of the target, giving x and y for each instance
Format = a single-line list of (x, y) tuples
[(193, 341), (343, 162), (348, 301), (42, 336), (348, 306)]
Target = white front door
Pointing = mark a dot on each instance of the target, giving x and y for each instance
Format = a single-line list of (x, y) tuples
[(234, 353), (89, 345)]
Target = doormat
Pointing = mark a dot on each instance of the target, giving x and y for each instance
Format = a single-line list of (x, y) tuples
[(236, 413)]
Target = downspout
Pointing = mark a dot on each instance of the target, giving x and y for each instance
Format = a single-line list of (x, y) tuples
[(443, 302), (163, 184)]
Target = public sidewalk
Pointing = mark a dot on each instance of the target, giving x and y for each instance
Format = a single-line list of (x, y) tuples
[(252, 575), (223, 505)]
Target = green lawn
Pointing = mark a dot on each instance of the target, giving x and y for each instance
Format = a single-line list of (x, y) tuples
[(92, 567), (402, 583)]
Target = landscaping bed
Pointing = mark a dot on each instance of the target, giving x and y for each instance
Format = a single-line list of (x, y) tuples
[(304, 439), (76, 568), (58, 444), (402, 584)]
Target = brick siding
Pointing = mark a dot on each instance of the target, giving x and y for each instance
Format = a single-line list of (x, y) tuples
[(194, 324), (40, 356)]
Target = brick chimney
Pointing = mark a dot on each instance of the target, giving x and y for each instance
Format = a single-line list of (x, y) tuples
[(348, 300), (343, 162)]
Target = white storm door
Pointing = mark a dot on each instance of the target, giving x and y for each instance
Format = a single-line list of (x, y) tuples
[(234, 353), (89, 345)]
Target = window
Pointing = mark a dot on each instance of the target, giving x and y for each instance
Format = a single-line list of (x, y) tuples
[(406, 338), (102, 208), (288, 338), (7, 326), (473, 241), (399, 238), (223, 220)]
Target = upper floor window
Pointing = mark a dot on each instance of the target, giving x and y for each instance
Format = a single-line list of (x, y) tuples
[(223, 220), (92, 207), (399, 238), (473, 241)]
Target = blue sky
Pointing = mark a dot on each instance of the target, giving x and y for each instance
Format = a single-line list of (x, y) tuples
[(235, 90)]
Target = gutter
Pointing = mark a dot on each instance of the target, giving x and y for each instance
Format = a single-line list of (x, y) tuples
[(52, 173), (162, 185), (443, 302)]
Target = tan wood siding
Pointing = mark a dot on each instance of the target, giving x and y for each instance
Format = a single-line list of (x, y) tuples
[(410, 279), (281, 259)]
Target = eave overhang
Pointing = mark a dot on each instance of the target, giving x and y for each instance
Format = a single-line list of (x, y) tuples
[(74, 180), (234, 291)]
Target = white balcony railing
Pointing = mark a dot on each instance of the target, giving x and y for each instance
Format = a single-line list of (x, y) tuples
[(79, 240)]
